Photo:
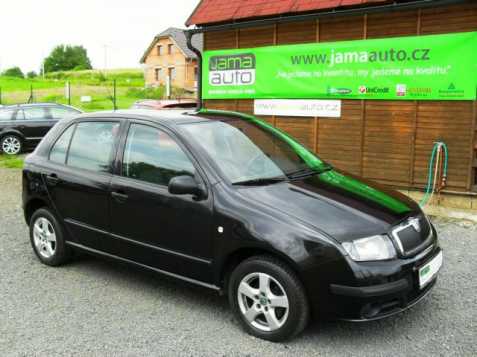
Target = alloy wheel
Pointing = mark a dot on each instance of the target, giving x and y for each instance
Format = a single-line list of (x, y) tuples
[(11, 145), (44, 237), (263, 301)]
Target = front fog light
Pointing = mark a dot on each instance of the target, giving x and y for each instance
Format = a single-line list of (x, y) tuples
[(370, 248)]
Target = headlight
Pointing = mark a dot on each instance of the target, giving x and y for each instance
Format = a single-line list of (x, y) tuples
[(370, 248)]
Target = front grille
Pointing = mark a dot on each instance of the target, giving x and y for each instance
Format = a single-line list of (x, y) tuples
[(412, 235)]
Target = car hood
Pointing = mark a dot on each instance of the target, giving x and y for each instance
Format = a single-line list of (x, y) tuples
[(337, 204)]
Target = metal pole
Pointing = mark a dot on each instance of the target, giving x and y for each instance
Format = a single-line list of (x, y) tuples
[(114, 95), (30, 100), (69, 93)]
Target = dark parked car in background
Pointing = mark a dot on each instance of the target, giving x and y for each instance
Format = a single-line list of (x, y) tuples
[(157, 104), (23, 126), (229, 202)]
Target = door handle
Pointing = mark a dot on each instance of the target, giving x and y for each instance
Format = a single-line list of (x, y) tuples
[(52, 179), (119, 196)]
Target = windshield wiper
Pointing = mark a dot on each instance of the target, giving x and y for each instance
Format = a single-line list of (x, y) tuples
[(260, 181), (305, 172)]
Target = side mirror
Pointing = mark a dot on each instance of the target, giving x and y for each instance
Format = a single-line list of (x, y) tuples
[(185, 185)]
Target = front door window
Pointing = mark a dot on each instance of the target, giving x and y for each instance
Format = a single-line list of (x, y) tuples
[(153, 156)]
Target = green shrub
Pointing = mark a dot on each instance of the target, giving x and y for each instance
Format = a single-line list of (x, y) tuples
[(53, 98), (146, 93)]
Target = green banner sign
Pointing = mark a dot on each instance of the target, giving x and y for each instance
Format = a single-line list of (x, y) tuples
[(442, 67)]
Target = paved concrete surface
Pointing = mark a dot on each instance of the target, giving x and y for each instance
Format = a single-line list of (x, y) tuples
[(96, 308)]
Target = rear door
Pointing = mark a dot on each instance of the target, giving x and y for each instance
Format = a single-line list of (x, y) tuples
[(78, 176), (34, 122)]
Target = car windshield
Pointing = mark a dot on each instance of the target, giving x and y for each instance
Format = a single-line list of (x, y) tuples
[(253, 152)]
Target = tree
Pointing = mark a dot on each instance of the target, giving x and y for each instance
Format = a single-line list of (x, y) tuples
[(67, 58), (32, 74), (13, 72)]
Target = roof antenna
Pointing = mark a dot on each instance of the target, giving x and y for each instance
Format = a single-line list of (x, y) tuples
[(190, 46)]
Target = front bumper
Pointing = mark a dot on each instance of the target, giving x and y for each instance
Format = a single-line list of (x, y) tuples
[(373, 302)]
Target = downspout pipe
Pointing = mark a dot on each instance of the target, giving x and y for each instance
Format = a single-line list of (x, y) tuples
[(198, 53)]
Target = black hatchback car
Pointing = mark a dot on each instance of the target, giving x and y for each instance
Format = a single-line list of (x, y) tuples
[(229, 202), (23, 126)]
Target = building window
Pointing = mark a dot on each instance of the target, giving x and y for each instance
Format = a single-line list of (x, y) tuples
[(169, 49), (196, 73), (172, 73), (157, 74), (159, 50)]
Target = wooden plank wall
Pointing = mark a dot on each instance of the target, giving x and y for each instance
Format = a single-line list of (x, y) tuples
[(388, 141)]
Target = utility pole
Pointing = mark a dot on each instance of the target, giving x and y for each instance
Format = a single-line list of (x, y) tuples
[(105, 47)]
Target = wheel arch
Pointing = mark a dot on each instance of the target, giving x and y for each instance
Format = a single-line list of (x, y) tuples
[(32, 206), (233, 259), (12, 132)]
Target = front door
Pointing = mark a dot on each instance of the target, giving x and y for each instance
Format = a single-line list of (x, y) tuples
[(148, 224), (78, 176)]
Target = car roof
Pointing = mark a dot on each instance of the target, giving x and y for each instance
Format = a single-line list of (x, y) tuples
[(32, 105), (168, 117)]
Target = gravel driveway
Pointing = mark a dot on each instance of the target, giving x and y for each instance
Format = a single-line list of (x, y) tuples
[(91, 307)]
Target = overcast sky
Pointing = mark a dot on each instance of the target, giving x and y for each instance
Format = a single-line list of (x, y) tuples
[(29, 29)]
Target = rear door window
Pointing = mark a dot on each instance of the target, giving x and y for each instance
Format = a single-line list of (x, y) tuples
[(92, 146), (34, 113)]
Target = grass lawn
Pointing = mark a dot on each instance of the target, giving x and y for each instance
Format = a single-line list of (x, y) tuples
[(11, 162), (96, 84)]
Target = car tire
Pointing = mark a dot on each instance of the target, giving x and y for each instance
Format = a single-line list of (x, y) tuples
[(11, 145), (47, 238), (268, 298)]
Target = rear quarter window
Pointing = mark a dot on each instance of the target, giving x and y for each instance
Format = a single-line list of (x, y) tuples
[(60, 148), (7, 114)]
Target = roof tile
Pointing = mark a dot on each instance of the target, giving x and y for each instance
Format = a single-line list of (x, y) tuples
[(216, 11)]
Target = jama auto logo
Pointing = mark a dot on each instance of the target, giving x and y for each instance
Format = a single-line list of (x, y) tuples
[(232, 70), (373, 90)]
